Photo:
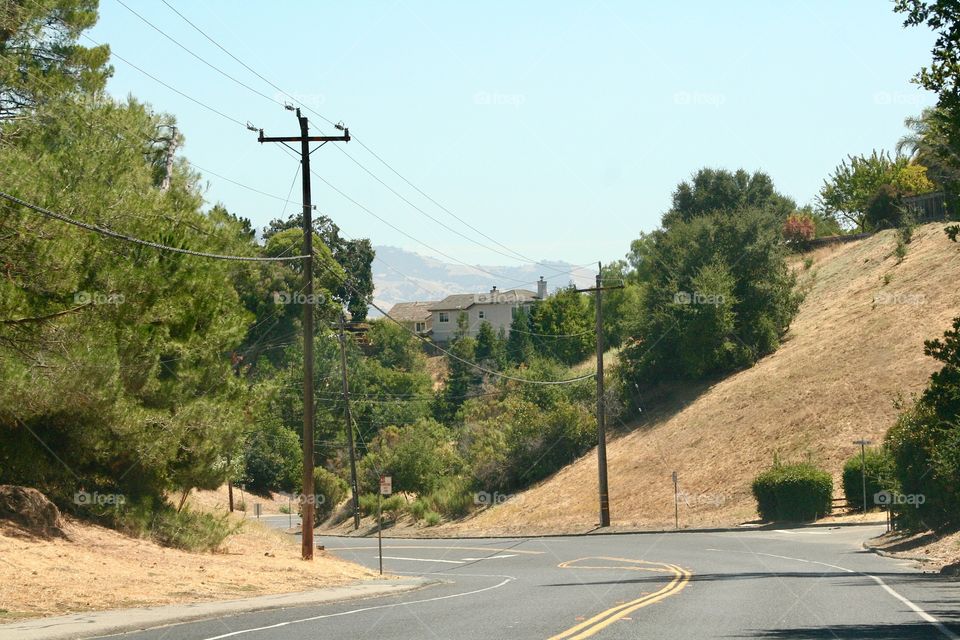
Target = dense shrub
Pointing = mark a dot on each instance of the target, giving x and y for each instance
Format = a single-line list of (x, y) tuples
[(417, 456), (798, 229), (329, 489), (160, 522), (717, 296), (885, 209), (879, 472), (452, 498), (925, 442), (793, 493), (273, 458), (390, 506)]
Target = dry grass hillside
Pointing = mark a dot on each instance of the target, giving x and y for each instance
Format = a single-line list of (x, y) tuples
[(854, 348)]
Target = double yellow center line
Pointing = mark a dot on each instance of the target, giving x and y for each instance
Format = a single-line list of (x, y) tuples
[(604, 619)]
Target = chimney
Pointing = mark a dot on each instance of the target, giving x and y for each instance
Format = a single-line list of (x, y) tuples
[(542, 289)]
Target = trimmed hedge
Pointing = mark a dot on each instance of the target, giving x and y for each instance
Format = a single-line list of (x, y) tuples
[(793, 493), (880, 476)]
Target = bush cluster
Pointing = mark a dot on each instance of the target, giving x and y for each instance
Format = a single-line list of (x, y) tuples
[(793, 493)]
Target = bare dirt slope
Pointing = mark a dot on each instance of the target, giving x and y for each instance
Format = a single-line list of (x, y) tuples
[(855, 346)]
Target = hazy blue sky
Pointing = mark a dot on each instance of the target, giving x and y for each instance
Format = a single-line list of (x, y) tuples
[(560, 129)]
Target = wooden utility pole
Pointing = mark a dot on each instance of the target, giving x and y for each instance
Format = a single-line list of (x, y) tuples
[(349, 422), (307, 497), (601, 408)]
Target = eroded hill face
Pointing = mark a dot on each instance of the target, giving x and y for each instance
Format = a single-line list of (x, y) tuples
[(854, 348)]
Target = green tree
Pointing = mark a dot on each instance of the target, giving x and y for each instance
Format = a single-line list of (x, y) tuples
[(929, 144), (40, 60), (567, 315), (462, 379), (520, 346), (491, 351), (718, 292), (846, 193), (719, 190), (137, 393), (943, 73), (355, 257)]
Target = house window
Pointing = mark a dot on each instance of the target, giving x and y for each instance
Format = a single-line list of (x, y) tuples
[(482, 315), (444, 316), (421, 326)]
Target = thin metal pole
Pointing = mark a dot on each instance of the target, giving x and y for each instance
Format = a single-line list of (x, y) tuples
[(863, 472), (676, 502), (349, 421), (379, 531)]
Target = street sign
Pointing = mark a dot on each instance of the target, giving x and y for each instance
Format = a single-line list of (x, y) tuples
[(386, 485)]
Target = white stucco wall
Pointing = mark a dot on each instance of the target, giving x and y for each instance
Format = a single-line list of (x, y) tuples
[(498, 315)]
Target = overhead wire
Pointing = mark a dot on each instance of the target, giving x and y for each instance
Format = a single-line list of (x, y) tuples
[(127, 238), (513, 254)]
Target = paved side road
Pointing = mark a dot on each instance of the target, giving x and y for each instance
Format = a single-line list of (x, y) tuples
[(796, 583)]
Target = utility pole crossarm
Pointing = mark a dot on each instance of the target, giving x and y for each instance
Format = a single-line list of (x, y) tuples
[(344, 138)]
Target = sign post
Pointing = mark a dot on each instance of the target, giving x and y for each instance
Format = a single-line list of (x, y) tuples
[(863, 469), (676, 503), (386, 488)]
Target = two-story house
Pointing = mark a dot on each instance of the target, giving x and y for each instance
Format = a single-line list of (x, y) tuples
[(496, 307)]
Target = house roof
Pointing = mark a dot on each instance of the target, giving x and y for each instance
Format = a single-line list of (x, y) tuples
[(459, 301), (411, 311)]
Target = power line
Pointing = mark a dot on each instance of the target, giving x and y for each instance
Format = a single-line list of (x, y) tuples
[(200, 58), (155, 245), (340, 192), (497, 374), (513, 254), (369, 211), (171, 88)]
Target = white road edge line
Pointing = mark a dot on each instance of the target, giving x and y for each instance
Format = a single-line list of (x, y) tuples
[(920, 612), (360, 610), (422, 559)]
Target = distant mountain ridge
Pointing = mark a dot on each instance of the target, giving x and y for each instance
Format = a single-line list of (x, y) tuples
[(405, 276)]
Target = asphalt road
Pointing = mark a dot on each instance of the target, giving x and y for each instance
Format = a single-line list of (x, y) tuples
[(796, 583)]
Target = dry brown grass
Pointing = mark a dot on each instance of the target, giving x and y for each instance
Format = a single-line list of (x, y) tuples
[(835, 379), (94, 568)]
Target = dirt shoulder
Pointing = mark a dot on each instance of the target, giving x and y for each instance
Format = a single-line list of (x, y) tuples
[(939, 553), (93, 568)]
